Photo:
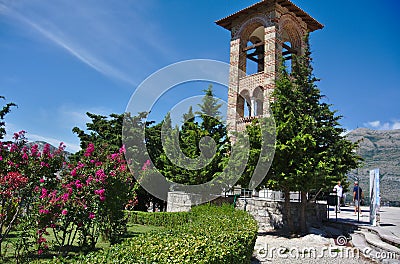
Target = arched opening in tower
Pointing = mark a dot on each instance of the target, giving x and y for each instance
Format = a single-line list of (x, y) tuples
[(244, 108), (289, 48), (258, 99), (255, 51)]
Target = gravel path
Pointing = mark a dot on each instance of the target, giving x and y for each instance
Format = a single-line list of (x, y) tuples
[(271, 248)]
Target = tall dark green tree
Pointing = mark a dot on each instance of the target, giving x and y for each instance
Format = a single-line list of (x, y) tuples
[(311, 151), (202, 137), (5, 110), (102, 131)]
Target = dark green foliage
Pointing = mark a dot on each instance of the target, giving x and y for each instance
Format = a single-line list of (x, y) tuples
[(5, 110), (102, 131), (311, 151), (212, 235), (164, 219), (261, 136), (202, 137)]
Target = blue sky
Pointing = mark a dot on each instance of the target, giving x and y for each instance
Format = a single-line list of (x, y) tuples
[(62, 58)]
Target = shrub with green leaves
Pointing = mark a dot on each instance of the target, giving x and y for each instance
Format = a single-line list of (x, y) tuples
[(209, 234), (164, 219)]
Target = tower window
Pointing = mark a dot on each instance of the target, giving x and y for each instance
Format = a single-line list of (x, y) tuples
[(287, 54)]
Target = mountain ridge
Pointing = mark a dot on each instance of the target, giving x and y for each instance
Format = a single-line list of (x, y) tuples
[(379, 149)]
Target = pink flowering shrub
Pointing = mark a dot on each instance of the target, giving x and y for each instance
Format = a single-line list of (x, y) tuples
[(41, 194), (87, 201), (21, 166)]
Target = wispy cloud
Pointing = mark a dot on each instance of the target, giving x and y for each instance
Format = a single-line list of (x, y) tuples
[(107, 36), (379, 125)]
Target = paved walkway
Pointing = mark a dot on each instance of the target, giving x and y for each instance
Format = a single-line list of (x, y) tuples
[(316, 249), (390, 218)]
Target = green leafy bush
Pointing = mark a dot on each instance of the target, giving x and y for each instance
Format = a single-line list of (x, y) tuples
[(165, 219), (208, 234)]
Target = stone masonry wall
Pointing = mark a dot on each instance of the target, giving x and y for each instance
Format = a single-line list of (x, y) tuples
[(271, 215)]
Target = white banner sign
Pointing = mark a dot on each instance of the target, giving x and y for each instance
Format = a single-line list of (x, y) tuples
[(374, 194)]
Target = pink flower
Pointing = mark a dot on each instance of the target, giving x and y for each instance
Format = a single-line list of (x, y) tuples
[(62, 146), (99, 192), (44, 164), (114, 155), (101, 175), (65, 197), (80, 165), (13, 148), (34, 149), (78, 184), (41, 240), (46, 149), (122, 168), (146, 165), (25, 156), (89, 150), (64, 212), (41, 180), (44, 193), (91, 215), (122, 149), (43, 211), (19, 134), (1, 158), (73, 172), (40, 252), (88, 180)]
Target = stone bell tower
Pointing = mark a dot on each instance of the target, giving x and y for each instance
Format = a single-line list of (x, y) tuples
[(261, 34)]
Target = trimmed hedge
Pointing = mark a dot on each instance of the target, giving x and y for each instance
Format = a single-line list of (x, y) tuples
[(165, 219), (209, 234)]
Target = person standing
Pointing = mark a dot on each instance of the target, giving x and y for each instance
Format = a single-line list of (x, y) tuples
[(339, 193), (357, 196)]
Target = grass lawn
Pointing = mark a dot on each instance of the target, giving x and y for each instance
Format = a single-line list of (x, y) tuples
[(133, 230)]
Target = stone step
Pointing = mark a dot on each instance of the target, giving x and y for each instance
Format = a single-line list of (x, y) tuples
[(358, 241), (372, 247), (384, 234), (375, 241)]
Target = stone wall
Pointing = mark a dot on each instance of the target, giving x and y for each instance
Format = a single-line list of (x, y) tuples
[(268, 214), (271, 215), (181, 201)]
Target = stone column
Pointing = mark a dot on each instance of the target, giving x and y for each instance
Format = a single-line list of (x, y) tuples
[(233, 90), (271, 64)]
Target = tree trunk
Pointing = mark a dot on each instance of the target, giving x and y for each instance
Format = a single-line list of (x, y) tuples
[(288, 211), (303, 209)]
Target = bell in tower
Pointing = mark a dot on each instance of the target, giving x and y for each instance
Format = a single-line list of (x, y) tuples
[(261, 34)]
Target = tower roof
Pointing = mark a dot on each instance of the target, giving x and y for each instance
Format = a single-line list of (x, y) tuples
[(312, 24)]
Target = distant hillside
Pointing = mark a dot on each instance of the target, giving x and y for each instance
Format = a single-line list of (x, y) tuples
[(41, 145), (380, 149)]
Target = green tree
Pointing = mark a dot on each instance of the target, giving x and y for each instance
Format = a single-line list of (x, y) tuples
[(5, 110), (311, 151), (202, 138), (102, 131)]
